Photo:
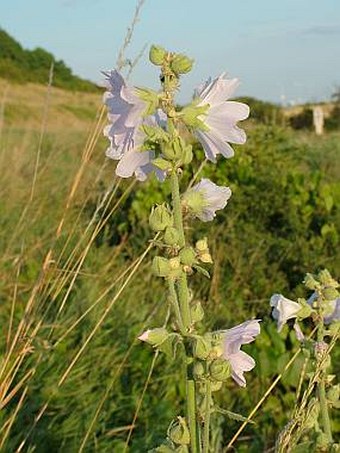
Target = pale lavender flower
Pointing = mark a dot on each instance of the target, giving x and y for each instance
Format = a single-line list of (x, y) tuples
[(127, 115), (220, 118), (283, 309), (334, 314), (233, 339), (212, 198)]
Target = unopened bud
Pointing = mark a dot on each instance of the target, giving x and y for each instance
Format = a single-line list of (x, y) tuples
[(198, 369), (160, 218), (157, 55), (330, 293), (171, 236), (181, 64), (202, 245), (220, 370), (178, 432), (197, 312), (201, 348), (160, 266), (187, 256), (333, 394), (310, 282), (154, 336), (187, 155)]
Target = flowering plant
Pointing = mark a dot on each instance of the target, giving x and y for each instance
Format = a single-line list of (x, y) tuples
[(147, 133)]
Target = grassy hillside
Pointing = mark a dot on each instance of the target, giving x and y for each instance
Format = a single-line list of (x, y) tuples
[(22, 65)]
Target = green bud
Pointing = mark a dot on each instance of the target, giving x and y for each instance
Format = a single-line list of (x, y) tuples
[(178, 432), (198, 369), (160, 218), (187, 256), (157, 55), (187, 155), (160, 266), (171, 236), (181, 64), (155, 336), (197, 312), (220, 370), (330, 293), (162, 164), (310, 282), (326, 279), (174, 149), (201, 347)]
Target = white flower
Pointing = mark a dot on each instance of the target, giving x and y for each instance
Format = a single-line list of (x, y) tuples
[(220, 118), (233, 339), (126, 114), (283, 309), (205, 198)]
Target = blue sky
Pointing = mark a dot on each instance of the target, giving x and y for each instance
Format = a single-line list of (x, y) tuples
[(287, 49)]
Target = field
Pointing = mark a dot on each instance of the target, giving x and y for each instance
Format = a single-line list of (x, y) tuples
[(76, 286)]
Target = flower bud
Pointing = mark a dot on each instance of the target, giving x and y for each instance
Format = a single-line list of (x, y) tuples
[(201, 348), (160, 218), (175, 267), (178, 432), (171, 236), (310, 282), (157, 55), (187, 155), (173, 150), (187, 256), (326, 279), (154, 336), (181, 64), (197, 312), (330, 293), (160, 266), (220, 370), (198, 369)]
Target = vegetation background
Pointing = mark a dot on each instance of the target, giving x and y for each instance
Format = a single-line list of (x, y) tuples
[(76, 287)]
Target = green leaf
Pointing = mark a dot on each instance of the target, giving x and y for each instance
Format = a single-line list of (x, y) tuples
[(162, 164), (201, 270)]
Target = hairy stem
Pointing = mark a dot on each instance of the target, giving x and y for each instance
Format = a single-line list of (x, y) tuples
[(326, 423), (183, 296), (175, 305), (206, 433)]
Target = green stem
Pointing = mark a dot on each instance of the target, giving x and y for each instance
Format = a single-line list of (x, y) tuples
[(206, 433), (183, 296), (326, 423), (177, 210), (175, 305), (191, 410)]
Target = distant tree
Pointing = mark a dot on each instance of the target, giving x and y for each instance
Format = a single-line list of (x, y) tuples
[(22, 66)]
